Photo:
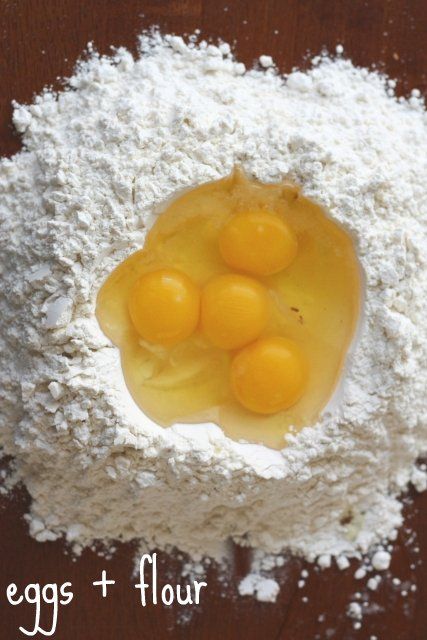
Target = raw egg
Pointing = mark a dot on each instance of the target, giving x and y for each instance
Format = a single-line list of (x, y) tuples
[(269, 375), (257, 242), (239, 309), (234, 310), (164, 306)]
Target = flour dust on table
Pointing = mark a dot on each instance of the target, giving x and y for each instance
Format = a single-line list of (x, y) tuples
[(99, 160)]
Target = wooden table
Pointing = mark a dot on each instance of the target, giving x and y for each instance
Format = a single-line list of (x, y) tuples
[(39, 42)]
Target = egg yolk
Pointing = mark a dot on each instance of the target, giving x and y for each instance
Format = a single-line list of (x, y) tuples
[(164, 306), (257, 242), (269, 375), (234, 310)]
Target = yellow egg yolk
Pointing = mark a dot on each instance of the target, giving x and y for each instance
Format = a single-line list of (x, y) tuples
[(234, 310), (164, 306), (238, 310), (257, 242), (269, 375)]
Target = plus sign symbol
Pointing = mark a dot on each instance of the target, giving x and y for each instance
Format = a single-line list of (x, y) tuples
[(103, 583)]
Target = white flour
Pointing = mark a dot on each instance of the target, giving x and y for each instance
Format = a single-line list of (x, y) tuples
[(98, 160)]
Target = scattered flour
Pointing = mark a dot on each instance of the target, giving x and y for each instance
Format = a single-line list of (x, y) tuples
[(381, 560), (99, 160), (264, 589)]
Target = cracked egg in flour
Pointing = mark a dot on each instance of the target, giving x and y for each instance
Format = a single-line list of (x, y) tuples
[(239, 310)]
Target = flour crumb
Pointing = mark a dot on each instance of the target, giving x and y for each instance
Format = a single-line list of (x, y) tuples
[(266, 61), (373, 583), (264, 589), (381, 560)]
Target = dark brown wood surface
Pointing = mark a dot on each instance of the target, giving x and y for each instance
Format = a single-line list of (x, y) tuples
[(39, 43)]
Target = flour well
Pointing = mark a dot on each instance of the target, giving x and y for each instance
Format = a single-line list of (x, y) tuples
[(99, 160)]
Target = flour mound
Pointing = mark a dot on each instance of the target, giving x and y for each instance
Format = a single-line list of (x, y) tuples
[(99, 159)]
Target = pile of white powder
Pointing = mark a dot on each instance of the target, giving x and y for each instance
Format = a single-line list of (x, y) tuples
[(99, 159)]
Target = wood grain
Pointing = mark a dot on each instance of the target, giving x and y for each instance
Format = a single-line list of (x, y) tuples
[(39, 43)]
